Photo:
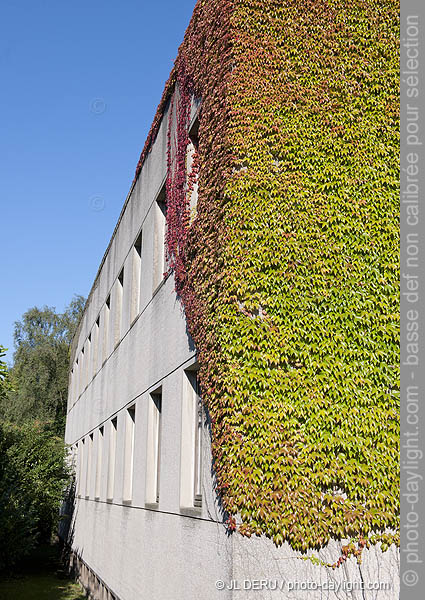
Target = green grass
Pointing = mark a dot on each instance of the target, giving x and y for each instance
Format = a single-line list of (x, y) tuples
[(40, 587), (40, 577)]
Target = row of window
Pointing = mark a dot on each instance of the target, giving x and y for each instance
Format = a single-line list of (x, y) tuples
[(109, 449), (108, 328)]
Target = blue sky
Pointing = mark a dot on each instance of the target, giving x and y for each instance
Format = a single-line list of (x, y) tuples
[(80, 85)]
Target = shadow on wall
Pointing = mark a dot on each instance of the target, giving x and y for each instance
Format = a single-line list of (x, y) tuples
[(94, 587), (190, 341), (225, 516), (66, 530)]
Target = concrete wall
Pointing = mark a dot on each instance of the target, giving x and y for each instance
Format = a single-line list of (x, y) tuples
[(139, 550), (124, 546)]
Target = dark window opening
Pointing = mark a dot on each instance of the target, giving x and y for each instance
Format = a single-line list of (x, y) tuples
[(138, 245), (161, 199), (194, 133), (157, 400)]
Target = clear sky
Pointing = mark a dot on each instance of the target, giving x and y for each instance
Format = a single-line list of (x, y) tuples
[(80, 83)]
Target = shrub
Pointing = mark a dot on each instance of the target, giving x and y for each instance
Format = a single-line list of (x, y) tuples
[(33, 476)]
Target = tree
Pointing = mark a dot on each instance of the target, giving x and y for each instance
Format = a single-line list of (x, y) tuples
[(4, 376), (33, 477), (33, 398), (39, 374)]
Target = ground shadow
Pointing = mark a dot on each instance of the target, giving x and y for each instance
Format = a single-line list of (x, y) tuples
[(41, 576)]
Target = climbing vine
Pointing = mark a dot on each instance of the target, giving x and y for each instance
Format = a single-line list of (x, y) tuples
[(288, 273)]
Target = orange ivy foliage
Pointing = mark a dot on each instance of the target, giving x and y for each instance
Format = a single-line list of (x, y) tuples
[(289, 272)]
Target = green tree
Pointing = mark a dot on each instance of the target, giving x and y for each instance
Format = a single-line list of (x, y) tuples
[(39, 375), (4, 376), (33, 478)]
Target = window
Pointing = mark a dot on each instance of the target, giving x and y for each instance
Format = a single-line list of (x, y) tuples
[(160, 233), (81, 470), (81, 371), (137, 266), (197, 450), (192, 167), (106, 318), (95, 348), (111, 461), (87, 369), (129, 453), (119, 287), (153, 447), (99, 462), (194, 133), (75, 384), (191, 443), (71, 387), (89, 465), (76, 380)]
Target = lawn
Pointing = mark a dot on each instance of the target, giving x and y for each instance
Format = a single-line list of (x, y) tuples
[(40, 587), (40, 577)]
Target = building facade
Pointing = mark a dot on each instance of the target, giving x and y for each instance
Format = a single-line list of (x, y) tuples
[(148, 519), (145, 518)]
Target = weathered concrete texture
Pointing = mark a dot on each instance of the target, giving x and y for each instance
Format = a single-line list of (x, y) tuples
[(307, 576), (144, 555)]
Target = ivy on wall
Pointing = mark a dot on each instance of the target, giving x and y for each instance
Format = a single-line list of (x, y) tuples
[(288, 273)]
